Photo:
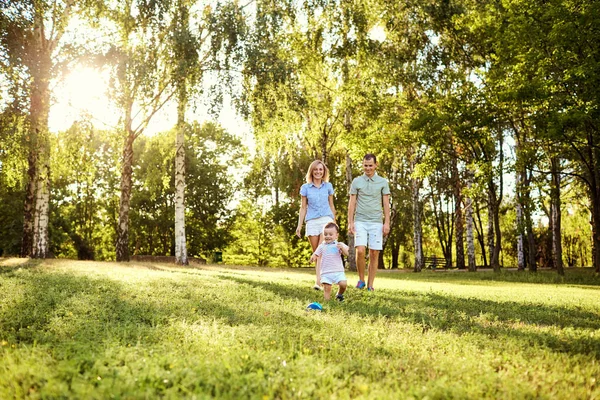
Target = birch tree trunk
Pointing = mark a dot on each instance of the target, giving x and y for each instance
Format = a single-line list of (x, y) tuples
[(122, 245), (42, 206), (490, 227), (29, 205), (458, 217), (520, 227), (38, 116), (469, 223), (556, 216), (417, 228), (180, 239)]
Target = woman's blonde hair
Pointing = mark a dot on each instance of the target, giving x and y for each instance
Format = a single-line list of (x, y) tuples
[(313, 165)]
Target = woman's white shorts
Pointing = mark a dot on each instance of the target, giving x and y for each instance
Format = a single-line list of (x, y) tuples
[(314, 227)]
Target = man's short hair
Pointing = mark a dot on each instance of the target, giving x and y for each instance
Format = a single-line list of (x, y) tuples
[(370, 156)]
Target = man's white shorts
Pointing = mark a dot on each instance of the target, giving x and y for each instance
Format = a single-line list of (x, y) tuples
[(369, 234), (314, 227), (333, 277)]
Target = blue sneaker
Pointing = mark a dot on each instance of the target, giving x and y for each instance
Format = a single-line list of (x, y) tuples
[(360, 285), (314, 307), (371, 289)]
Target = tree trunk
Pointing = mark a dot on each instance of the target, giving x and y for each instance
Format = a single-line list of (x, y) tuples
[(556, 216), (490, 226), (351, 253), (593, 165), (417, 228), (39, 109), (122, 245), (469, 221), (520, 226), (395, 253), (495, 199), (180, 240), (42, 206), (527, 206), (458, 217), (596, 233), (29, 206), (480, 235)]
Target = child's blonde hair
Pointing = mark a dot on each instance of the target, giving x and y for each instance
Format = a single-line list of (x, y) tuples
[(313, 165)]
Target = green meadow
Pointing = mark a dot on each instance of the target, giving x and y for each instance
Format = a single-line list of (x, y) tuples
[(92, 330)]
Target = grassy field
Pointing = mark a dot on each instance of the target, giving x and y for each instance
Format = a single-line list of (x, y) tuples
[(73, 329)]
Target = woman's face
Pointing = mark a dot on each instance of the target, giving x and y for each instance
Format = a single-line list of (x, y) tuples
[(318, 172)]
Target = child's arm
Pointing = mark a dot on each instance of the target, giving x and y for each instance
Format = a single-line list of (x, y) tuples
[(318, 251), (344, 248)]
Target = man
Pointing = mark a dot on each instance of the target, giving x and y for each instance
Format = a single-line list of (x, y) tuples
[(369, 193)]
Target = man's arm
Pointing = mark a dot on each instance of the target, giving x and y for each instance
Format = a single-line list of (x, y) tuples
[(386, 214)]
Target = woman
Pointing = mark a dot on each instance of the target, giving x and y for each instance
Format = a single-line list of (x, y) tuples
[(317, 207)]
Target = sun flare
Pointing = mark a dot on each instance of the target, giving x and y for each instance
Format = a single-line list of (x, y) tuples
[(84, 92)]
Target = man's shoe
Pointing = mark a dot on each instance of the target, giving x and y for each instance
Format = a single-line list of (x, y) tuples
[(371, 289), (360, 285)]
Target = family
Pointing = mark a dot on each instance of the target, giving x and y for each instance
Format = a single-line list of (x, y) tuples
[(368, 221)]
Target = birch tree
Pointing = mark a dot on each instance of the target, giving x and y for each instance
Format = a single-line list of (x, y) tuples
[(34, 39), (141, 85)]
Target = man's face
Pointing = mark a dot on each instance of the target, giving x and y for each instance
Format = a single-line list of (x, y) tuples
[(330, 235), (369, 167)]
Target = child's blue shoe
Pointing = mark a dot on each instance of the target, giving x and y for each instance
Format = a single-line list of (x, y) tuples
[(314, 306)]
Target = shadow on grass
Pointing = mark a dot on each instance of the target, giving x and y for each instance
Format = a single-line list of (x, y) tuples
[(582, 277), (496, 320), (59, 309), (78, 315), (17, 264)]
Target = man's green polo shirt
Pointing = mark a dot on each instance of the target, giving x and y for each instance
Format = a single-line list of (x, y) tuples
[(369, 197)]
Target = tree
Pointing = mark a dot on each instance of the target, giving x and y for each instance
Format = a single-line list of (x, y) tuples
[(31, 40), (142, 85)]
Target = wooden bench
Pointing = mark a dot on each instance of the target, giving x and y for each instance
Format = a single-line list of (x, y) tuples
[(434, 262)]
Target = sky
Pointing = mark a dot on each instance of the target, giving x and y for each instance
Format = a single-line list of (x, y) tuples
[(84, 91)]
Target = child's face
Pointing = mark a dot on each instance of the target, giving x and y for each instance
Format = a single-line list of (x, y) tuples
[(330, 235)]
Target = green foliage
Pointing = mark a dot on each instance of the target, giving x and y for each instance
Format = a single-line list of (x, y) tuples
[(101, 330), (13, 168), (11, 222), (252, 235), (212, 158), (84, 187)]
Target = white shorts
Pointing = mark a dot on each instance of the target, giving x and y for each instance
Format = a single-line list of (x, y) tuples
[(314, 227), (369, 234), (333, 277)]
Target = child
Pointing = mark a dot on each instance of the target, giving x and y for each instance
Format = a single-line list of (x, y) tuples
[(329, 253)]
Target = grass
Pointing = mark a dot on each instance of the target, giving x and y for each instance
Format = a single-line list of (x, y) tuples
[(73, 329)]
